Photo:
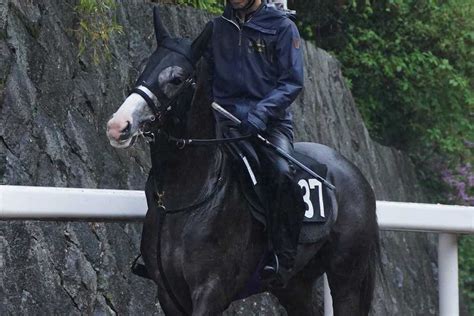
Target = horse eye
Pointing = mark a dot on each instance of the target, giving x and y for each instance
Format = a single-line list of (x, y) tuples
[(176, 81)]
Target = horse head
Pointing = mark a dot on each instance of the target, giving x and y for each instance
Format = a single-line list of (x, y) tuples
[(162, 89)]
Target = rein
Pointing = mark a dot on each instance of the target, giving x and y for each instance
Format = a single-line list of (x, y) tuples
[(182, 142), (159, 196)]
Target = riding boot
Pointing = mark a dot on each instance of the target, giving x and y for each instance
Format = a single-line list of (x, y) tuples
[(286, 206), (286, 220)]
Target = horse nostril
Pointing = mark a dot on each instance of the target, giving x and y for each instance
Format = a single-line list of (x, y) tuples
[(127, 128)]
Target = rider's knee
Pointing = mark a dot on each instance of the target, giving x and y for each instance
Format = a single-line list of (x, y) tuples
[(282, 173)]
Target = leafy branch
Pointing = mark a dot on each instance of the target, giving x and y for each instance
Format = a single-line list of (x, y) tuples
[(97, 24)]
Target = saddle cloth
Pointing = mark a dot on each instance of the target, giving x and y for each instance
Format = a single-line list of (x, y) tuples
[(319, 199)]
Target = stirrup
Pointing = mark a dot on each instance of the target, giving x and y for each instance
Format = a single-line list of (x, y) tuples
[(274, 276), (270, 269)]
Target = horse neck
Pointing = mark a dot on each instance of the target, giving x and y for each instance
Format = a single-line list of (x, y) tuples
[(201, 122), (191, 173)]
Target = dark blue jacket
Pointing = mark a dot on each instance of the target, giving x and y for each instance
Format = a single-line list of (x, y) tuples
[(257, 67)]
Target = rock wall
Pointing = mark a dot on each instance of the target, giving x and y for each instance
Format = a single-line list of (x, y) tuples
[(54, 106)]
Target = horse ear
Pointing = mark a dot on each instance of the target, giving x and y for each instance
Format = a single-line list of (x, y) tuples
[(201, 42), (160, 31)]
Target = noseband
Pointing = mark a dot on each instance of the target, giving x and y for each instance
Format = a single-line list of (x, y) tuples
[(158, 107)]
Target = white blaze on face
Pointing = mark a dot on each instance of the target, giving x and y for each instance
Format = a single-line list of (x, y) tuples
[(124, 126), (125, 123)]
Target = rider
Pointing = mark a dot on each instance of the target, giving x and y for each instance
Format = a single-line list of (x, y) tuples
[(257, 72)]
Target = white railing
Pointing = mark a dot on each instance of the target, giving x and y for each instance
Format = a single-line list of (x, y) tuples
[(448, 221), (44, 203)]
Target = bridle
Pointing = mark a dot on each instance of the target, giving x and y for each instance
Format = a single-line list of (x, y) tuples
[(157, 101), (150, 128), (158, 107)]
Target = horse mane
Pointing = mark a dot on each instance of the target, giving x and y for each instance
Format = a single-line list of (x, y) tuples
[(201, 122)]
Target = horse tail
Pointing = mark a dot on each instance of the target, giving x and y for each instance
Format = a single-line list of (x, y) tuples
[(368, 283)]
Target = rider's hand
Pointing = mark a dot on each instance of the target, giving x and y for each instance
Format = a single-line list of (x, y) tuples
[(247, 128)]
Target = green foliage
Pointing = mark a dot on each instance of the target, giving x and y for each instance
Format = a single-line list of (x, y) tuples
[(213, 6), (466, 273), (411, 66), (96, 26)]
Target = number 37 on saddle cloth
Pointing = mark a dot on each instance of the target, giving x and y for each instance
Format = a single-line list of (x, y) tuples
[(321, 208)]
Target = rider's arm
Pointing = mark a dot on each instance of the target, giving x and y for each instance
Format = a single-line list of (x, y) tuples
[(290, 80)]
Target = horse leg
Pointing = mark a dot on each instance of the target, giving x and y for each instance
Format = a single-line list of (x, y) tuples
[(210, 298), (345, 296), (351, 280), (214, 285), (166, 303), (297, 296), (148, 249)]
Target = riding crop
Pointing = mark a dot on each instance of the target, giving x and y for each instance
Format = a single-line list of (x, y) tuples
[(280, 151)]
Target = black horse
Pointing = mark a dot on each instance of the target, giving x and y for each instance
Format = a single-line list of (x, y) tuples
[(203, 252)]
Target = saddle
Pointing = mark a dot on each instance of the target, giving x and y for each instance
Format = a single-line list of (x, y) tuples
[(321, 208)]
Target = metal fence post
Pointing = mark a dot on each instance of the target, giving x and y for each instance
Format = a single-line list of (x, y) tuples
[(328, 311), (448, 275)]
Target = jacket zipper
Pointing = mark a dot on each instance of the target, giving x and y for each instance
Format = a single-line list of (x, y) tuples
[(237, 26), (240, 81)]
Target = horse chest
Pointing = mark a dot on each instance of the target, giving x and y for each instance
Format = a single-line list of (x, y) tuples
[(171, 238), (187, 237)]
